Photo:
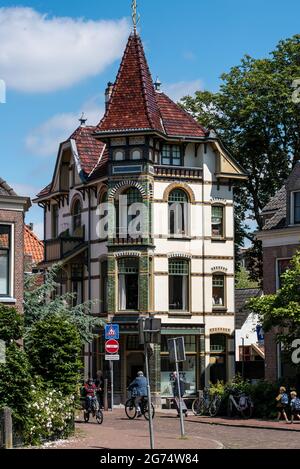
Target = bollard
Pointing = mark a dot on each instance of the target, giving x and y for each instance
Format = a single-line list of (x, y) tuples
[(8, 432), (105, 396)]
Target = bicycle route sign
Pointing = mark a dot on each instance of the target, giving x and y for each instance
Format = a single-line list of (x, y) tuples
[(112, 331)]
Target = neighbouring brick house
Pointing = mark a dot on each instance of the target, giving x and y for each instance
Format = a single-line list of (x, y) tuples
[(280, 239), (150, 151), (12, 212)]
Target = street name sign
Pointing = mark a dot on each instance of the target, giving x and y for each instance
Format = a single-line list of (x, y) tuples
[(112, 358)]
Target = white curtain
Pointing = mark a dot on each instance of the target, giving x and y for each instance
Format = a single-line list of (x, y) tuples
[(185, 292), (122, 292)]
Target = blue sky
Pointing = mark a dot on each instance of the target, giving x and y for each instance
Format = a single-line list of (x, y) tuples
[(57, 56)]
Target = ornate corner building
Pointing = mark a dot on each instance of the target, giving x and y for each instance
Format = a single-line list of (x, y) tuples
[(147, 151)]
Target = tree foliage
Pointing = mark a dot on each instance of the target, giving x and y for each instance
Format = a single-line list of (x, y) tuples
[(242, 279), (53, 346), (256, 118), (282, 310), (42, 301), (11, 324)]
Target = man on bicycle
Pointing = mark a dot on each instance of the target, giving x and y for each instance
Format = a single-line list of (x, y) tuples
[(90, 393), (138, 388)]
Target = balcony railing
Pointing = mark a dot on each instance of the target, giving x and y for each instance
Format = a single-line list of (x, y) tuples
[(124, 241), (178, 172), (58, 249)]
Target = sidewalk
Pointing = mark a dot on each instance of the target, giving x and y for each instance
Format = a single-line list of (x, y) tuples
[(251, 423)]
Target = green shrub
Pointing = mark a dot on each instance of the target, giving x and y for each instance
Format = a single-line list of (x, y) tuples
[(11, 324), (53, 346)]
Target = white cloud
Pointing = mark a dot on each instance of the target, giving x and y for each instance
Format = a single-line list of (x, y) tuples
[(41, 54), (45, 139), (178, 90), (24, 190)]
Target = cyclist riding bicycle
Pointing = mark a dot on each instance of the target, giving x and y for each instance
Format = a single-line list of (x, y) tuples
[(138, 388), (90, 393)]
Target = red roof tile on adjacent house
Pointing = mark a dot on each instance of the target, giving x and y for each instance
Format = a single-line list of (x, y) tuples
[(178, 122), (44, 192), (132, 104), (33, 246), (89, 148)]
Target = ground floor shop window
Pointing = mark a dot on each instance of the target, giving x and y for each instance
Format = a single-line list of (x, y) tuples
[(188, 369)]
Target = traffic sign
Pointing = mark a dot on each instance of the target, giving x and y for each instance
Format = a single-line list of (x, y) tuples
[(112, 358), (112, 331), (112, 346)]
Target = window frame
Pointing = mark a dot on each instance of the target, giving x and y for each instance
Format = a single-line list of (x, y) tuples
[(10, 263), (278, 279), (293, 206), (119, 273), (54, 221), (188, 285), (221, 236), (224, 305), (186, 214), (76, 216), (171, 157)]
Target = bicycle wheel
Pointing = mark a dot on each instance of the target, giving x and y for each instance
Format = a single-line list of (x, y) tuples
[(198, 407), (215, 406), (247, 413), (229, 408), (146, 411), (99, 416), (86, 416), (130, 409)]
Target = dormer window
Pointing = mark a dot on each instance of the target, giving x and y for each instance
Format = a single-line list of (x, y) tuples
[(171, 155), (296, 208)]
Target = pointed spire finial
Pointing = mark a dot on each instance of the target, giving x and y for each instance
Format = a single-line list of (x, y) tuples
[(135, 15)]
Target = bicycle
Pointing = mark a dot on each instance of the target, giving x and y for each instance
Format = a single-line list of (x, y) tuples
[(242, 403), (93, 409), (131, 410), (206, 404)]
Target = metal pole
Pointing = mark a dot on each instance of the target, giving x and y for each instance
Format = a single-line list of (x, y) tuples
[(243, 356), (105, 397), (112, 383), (179, 392), (149, 398)]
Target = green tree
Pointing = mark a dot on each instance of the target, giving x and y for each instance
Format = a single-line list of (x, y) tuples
[(53, 346), (42, 301), (11, 324), (242, 279), (282, 310), (255, 116)]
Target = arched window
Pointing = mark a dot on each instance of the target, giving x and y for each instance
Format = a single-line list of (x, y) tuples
[(128, 285), (126, 213), (178, 285), (77, 216), (178, 213), (102, 229)]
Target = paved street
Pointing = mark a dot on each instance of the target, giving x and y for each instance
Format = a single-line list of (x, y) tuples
[(117, 432)]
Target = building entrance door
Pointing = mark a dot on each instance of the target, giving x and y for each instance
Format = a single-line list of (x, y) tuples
[(135, 363)]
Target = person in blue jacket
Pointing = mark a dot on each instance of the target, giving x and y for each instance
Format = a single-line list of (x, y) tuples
[(138, 388)]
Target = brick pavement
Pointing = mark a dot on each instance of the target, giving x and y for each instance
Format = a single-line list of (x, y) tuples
[(117, 432)]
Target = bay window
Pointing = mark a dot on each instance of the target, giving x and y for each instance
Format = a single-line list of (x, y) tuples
[(178, 285), (128, 285), (5, 255)]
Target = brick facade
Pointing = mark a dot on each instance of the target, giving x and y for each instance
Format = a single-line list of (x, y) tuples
[(17, 219)]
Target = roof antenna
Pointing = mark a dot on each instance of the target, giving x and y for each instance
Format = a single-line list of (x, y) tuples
[(82, 120), (135, 15)]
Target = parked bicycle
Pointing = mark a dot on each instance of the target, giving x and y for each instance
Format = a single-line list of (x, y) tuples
[(240, 403), (131, 410), (94, 410), (206, 404)]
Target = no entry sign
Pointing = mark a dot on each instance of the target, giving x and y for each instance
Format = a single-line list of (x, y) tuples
[(112, 346)]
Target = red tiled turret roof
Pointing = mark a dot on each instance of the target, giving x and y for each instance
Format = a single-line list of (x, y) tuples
[(176, 121), (133, 104)]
